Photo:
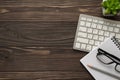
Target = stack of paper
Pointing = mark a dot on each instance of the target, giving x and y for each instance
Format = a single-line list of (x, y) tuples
[(90, 59)]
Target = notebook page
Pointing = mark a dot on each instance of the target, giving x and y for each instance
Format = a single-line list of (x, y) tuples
[(91, 59), (110, 47)]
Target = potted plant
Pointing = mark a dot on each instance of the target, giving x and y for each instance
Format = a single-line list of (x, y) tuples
[(111, 7)]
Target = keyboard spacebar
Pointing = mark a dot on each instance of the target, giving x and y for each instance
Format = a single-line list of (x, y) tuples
[(82, 40)]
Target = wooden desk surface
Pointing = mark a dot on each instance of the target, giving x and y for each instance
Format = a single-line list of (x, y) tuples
[(37, 36)]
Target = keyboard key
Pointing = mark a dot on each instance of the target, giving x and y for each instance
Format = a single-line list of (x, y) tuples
[(106, 33), (112, 34), (95, 37), (88, 24), (94, 47), (101, 38), (84, 29), (91, 42), (95, 31), (94, 25), (89, 19), (82, 23), (112, 24), (101, 32), (118, 36), (105, 27), (83, 18), (83, 46), (77, 45), (90, 36), (89, 47), (89, 30), (82, 34), (95, 20), (118, 25), (116, 29), (97, 43), (101, 22), (82, 40), (99, 26), (107, 23), (110, 28)]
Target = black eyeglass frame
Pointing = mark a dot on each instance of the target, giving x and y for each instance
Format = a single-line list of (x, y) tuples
[(110, 56)]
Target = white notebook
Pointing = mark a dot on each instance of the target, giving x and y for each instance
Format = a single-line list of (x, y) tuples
[(110, 45)]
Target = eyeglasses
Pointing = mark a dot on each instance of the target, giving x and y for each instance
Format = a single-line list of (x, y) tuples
[(108, 59)]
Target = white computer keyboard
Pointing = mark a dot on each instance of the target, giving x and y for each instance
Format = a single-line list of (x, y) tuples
[(92, 31)]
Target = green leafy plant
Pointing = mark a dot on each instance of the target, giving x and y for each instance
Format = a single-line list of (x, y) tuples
[(111, 6)]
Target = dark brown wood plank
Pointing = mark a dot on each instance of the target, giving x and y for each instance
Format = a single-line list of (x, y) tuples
[(67, 10), (36, 39), (37, 33), (44, 3), (31, 63), (46, 75), (37, 59)]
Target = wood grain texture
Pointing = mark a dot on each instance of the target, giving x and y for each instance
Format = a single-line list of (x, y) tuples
[(36, 39), (37, 33), (47, 10)]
